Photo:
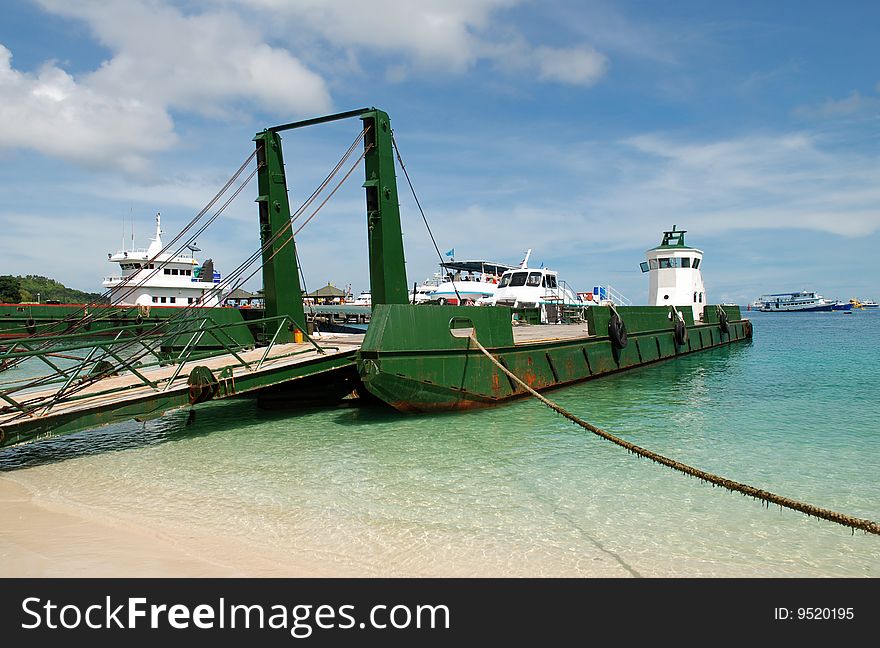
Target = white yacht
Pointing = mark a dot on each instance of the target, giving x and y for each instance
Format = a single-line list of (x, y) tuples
[(364, 298), (525, 287), (150, 277)]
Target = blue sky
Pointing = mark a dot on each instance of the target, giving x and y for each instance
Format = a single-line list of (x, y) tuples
[(578, 129)]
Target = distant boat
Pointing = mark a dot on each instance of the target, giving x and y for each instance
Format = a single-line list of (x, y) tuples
[(421, 293), (365, 298), (794, 302)]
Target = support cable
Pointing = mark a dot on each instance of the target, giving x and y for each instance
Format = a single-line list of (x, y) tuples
[(421, 211), (868, 526)]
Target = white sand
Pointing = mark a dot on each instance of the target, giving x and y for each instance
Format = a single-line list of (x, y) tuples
[(47, 539)]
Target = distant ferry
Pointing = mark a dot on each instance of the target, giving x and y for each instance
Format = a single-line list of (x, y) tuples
[(150, 277), (804, 301)]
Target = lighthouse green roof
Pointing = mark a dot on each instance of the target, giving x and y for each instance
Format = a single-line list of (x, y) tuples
[(673, 238)]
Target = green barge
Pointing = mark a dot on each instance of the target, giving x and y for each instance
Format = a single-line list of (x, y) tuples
[(424, 358), (417, 357)]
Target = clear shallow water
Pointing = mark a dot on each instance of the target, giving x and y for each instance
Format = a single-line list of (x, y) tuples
[(517, 490)]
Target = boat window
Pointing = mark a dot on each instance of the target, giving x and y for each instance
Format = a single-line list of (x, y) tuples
[(174, 271), (173, 300), (644, 266), (696, 264), (686, 262), (652, 263), (551, 281), (167, 271), (534, 279), (189, 300), (162, 299), (505, 281), (155, 300), (518, 279), (188, 273)]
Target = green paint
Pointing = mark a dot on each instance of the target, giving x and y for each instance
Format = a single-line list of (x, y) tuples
[(281, 288), (411, 359), (388, 283)]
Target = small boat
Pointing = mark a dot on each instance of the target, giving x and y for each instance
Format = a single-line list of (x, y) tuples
[(864, 304), (421, 293), (364, 298), (541, 288), (795, 302)]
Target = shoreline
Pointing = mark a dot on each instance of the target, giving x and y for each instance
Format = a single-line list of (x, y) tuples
[(47, 539)]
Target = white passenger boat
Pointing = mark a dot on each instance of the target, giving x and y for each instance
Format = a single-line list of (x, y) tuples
[(467, 282), (149, 277), (795, 302)]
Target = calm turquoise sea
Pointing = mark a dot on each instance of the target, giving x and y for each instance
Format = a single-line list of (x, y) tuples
[(517, 490)]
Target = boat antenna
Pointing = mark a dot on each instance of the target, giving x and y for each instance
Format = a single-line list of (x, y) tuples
[(525, 261)]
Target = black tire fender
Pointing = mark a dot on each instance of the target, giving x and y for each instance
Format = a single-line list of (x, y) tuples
[(723, 324), (617, 332), (680, 333)]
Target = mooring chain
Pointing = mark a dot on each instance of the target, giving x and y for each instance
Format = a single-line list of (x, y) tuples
[(868, 526)]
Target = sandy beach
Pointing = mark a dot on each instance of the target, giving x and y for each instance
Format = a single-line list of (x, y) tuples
[(42, 538)]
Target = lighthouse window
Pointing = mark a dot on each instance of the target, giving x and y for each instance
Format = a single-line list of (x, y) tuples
[(644, 266), (696, 264), (686, 262), (664, 262), (652, 263)]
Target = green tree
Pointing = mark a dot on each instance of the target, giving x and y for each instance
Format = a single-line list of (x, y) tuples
[(10, 289)]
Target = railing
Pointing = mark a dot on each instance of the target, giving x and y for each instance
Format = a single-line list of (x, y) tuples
[(96, 364)]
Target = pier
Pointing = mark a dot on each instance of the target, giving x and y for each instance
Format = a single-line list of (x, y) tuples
[(130, 391)]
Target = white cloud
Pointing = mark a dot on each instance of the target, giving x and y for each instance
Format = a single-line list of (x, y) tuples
[(854, 104), (53, 114), (579, 65), (199, 62), (162, 61), (438, 34)]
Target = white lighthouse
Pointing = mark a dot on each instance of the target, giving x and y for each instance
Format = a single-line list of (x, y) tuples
[(674, 274)]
